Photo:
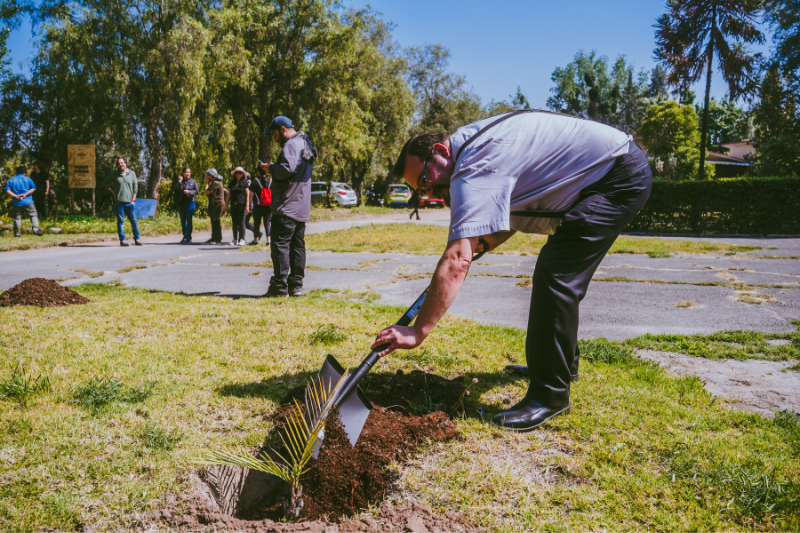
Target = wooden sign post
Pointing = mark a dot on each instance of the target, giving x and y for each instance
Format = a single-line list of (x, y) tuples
[(81, 171)]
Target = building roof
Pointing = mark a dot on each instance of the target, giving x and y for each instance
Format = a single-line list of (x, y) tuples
[(716, 156)]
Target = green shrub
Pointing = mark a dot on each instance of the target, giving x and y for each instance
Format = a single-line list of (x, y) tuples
[(98, 393), (327, 334), (741, 205), (605, 351)]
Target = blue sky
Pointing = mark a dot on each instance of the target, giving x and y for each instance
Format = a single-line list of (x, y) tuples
[(499, 45)]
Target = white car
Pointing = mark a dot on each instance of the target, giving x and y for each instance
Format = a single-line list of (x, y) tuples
[(342, 193)]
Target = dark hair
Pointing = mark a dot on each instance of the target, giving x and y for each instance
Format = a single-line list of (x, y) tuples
[(184, 169), (22, 169), (262, 171), (116, 159), (420, 146)]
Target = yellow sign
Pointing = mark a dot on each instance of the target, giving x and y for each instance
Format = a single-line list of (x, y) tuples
[(80, 166)]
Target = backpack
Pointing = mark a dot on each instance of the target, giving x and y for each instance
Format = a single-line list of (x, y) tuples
[(264, 196)]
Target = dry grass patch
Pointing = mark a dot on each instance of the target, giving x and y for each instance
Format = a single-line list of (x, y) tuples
[(90, 273), (686, 304), (431, 240)]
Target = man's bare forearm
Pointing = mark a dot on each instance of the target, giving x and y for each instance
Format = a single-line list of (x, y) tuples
[(496, 239), (447, 280)]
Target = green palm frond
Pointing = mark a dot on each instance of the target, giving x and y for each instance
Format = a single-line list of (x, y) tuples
[(301, 435)]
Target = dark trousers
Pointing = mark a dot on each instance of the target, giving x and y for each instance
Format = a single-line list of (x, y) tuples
[(40, 201), (288, 252), (186, 212), (216, 230), (237, 219), (415, 211), (122, 210), (261, 214), (565, 267)]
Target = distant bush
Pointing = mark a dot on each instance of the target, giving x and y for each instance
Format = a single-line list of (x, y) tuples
[(738, 205)]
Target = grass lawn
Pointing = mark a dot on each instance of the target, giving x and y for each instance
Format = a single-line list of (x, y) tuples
[(726, 344), (431, 240), (319, 214), (136, 384), (82, 229)]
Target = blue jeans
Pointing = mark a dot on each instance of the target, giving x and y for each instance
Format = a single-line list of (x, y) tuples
[(186, 212), (122, 211)]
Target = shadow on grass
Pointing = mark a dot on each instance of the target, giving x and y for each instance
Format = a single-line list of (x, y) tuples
[(407, 392)]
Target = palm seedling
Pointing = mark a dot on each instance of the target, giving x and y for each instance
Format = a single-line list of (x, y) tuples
[(302, 433)]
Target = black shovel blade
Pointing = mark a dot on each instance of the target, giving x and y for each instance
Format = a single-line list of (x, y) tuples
[(353, 410)]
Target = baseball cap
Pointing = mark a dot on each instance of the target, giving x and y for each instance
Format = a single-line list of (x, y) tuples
[(277, 122)]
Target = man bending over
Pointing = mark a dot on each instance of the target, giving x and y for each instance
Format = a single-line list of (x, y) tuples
[(580, 182)]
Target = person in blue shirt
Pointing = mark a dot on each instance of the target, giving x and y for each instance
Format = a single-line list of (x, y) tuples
[(21, 189)]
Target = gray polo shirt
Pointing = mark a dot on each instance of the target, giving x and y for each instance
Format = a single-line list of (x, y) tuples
[(534, 161), (291, 191)]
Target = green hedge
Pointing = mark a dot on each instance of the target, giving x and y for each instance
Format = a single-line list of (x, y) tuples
[(742, 205)]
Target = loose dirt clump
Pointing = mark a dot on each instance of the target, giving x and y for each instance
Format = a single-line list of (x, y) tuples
[(408, 410), (42, 293)]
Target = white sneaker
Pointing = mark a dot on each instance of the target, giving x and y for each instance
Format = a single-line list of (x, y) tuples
[(241, 242), (232, 243)]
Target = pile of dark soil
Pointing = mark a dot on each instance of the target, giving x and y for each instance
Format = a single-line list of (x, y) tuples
[(408, 410), (40, 292)]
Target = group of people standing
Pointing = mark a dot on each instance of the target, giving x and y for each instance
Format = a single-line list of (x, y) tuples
[(277, 199), (245, 198)]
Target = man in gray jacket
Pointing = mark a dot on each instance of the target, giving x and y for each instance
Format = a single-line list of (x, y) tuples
[(291, 207)]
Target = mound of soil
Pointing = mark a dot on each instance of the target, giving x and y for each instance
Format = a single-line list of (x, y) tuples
[(408, 410), (40, 292)]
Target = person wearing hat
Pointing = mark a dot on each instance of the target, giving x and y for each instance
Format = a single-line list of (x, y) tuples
[(217, 200), (239, 194), (291, 207)]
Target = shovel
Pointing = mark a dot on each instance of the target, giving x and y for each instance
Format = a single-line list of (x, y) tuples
[(354, 406)]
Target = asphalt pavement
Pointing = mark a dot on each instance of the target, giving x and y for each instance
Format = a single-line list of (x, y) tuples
[(668, 298)]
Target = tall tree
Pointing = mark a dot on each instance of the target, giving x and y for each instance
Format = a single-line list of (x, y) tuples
[(586, 87), (777, 125), (784, 19), (443, 102), (695, 32)]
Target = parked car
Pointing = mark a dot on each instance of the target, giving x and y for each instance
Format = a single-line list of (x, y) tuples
[(398, 195), (344, 194), (431, 202)]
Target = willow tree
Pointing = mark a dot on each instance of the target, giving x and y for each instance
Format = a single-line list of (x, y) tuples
[(695, 32)]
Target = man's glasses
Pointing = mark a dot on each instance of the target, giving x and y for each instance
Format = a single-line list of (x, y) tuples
[(423, 183)]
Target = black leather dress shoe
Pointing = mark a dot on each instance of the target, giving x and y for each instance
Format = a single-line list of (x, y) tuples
[(527, 415), (522, 371)]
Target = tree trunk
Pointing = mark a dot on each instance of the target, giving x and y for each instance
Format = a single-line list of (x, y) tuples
[(264, 145), (701, 172), (154, 178), (293, 507)]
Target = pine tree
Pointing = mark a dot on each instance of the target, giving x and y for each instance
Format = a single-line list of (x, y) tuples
[(694, 32)]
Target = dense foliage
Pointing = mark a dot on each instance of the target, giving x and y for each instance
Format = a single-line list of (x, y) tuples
[(743, 206)]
